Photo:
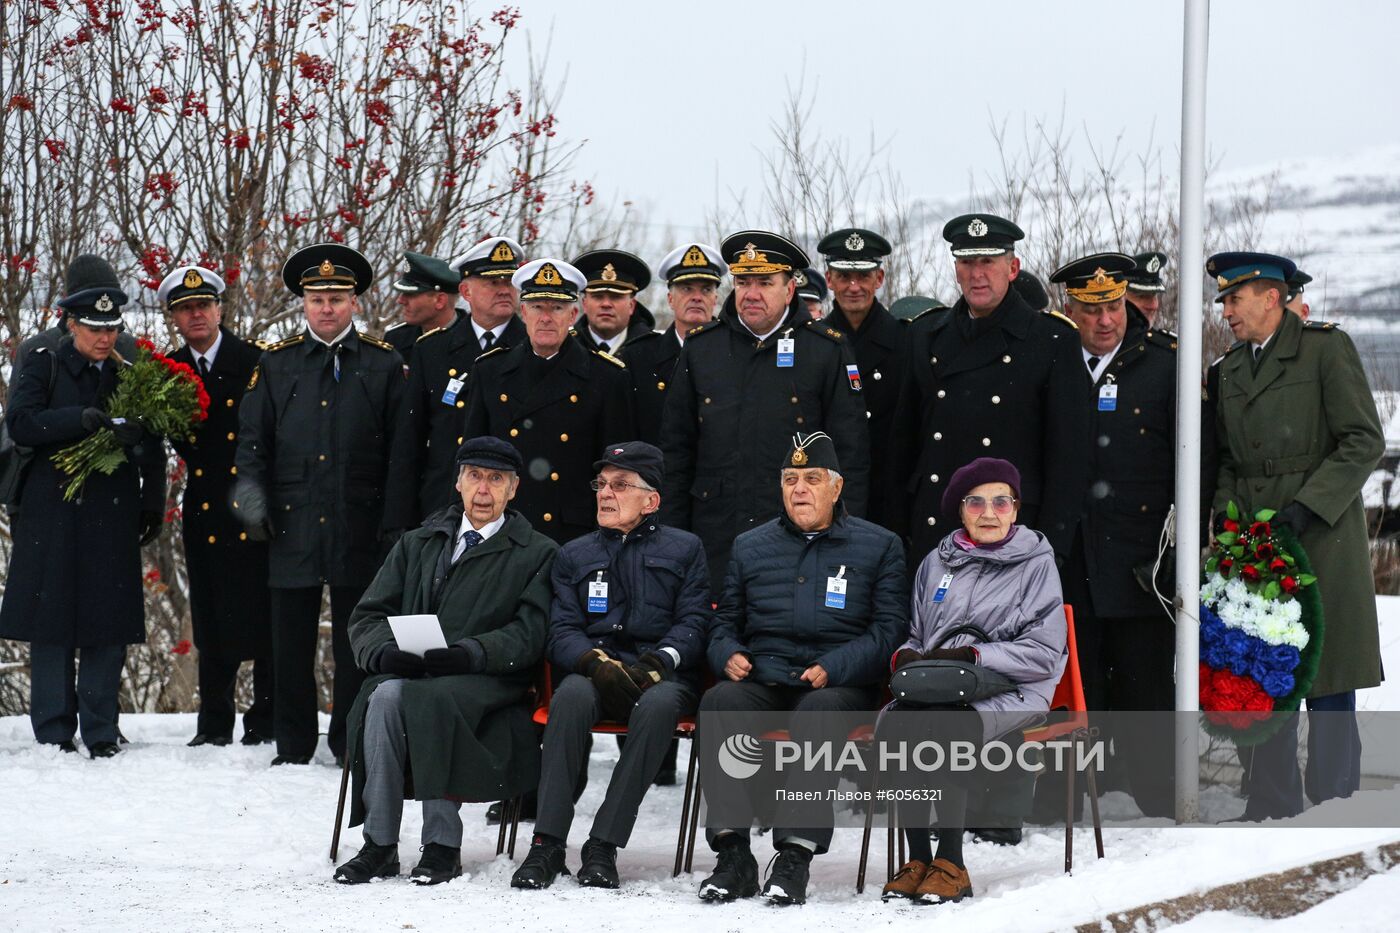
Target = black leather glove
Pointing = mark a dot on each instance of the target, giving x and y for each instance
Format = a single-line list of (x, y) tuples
[(454, 659), (151, 523), (126, 432), (588, 662), (651, 669), (966, 655), (401, 663), (1295, 515), (617, 691)]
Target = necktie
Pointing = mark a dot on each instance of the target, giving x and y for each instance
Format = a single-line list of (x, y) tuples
[(465, 543), (1258, 352), (487, 340), (335, 354), (1093, 364), (204, 367)]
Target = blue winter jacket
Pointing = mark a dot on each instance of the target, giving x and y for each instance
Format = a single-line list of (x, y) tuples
[(658, 596), (776, 611)]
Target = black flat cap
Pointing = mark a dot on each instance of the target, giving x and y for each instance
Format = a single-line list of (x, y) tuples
[(638, 456), (1031, 290), (490, 452)]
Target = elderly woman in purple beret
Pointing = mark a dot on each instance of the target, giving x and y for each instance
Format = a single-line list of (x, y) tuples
[(998, 578)]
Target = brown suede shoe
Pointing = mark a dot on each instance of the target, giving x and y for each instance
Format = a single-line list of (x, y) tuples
[(906, 881), (944, 882)]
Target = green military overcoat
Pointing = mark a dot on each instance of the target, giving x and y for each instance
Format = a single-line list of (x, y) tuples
[(1304, 428), (470, 736)]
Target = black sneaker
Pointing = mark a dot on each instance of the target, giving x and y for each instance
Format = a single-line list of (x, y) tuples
[(787, 879), (373, 861), (205, 738), (735, 874), (291, 760), (104, 749), (599, 868), (543, 863), (439, 863)]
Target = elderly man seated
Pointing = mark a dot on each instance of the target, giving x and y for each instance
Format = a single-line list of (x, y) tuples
[(630, 616), (794, 632), (456, 713)]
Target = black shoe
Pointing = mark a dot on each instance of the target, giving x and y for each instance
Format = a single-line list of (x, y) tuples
[(599, 868), (787, 880), (998, 837), (121, 738), (543, 863), (67, 745), (438, 864), (253, 737), (373, 861), (291, 760), (104, 749), (205, 738), (735, 874), (340, 762), (665, 778)]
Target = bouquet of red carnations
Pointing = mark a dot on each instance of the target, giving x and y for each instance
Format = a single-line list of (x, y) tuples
[(165, 397)]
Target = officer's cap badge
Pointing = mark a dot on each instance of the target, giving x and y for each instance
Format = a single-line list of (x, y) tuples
[(978, 227), (326, 267), (609, 274), (548, 275), (855, 242), (503, 253), (193, 279), (799, 457), (694, 257), (103, 303), (1154, 264)]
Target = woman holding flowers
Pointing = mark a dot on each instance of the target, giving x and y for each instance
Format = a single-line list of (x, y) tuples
[(75, 573)]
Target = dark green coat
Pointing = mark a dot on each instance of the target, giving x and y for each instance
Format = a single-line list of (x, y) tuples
[(469, 735), (1304, 428)]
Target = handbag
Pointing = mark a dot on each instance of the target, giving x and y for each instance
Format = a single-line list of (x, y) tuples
[(948, 683), (15, 459)]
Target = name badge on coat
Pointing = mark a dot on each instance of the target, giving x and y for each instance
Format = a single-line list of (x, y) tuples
[(787, 352), (836, 590), (454, 387), (1108, 397), (598, 595), (942, 591)]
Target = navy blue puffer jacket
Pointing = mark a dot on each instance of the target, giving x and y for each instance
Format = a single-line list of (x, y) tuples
[(774, 608), (658, 597)]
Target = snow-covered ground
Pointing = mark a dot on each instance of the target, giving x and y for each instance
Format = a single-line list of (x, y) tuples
[(170, 838)]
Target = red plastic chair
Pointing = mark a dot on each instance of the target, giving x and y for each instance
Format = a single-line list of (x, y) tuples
[(1068, 698)]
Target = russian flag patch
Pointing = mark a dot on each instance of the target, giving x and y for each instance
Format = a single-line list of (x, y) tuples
[(853, 376)]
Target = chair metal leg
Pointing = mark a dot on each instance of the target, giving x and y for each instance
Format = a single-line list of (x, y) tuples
[(690, 778), (340, 807), (899, 838), (1094, 808), (865, 835), (1069, 812), (501, 827), (694, 824), (516, 807)]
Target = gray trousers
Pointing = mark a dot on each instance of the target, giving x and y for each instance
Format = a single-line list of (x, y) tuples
[(572, 713), (385, 754), (57, 708)]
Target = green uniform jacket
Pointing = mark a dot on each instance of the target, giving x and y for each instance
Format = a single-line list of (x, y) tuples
[(469, 735), (1304, 428)]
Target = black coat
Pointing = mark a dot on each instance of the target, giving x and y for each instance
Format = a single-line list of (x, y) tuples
[(1132, 474), (314, 453), (559, 414), (651, 361), (658, 597), (402, 337), (430, 420), (643, 322), (1013, 386), (774, 604), (879, 350), (230, 603), (729, 420), (75, 569)]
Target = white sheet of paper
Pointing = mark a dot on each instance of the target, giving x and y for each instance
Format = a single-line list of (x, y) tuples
[(417, 634)]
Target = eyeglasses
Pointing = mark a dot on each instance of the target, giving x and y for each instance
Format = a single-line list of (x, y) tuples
[(1000, 504), (617, 486)]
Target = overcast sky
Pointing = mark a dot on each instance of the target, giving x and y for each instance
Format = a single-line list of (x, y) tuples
[(673, 96)]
